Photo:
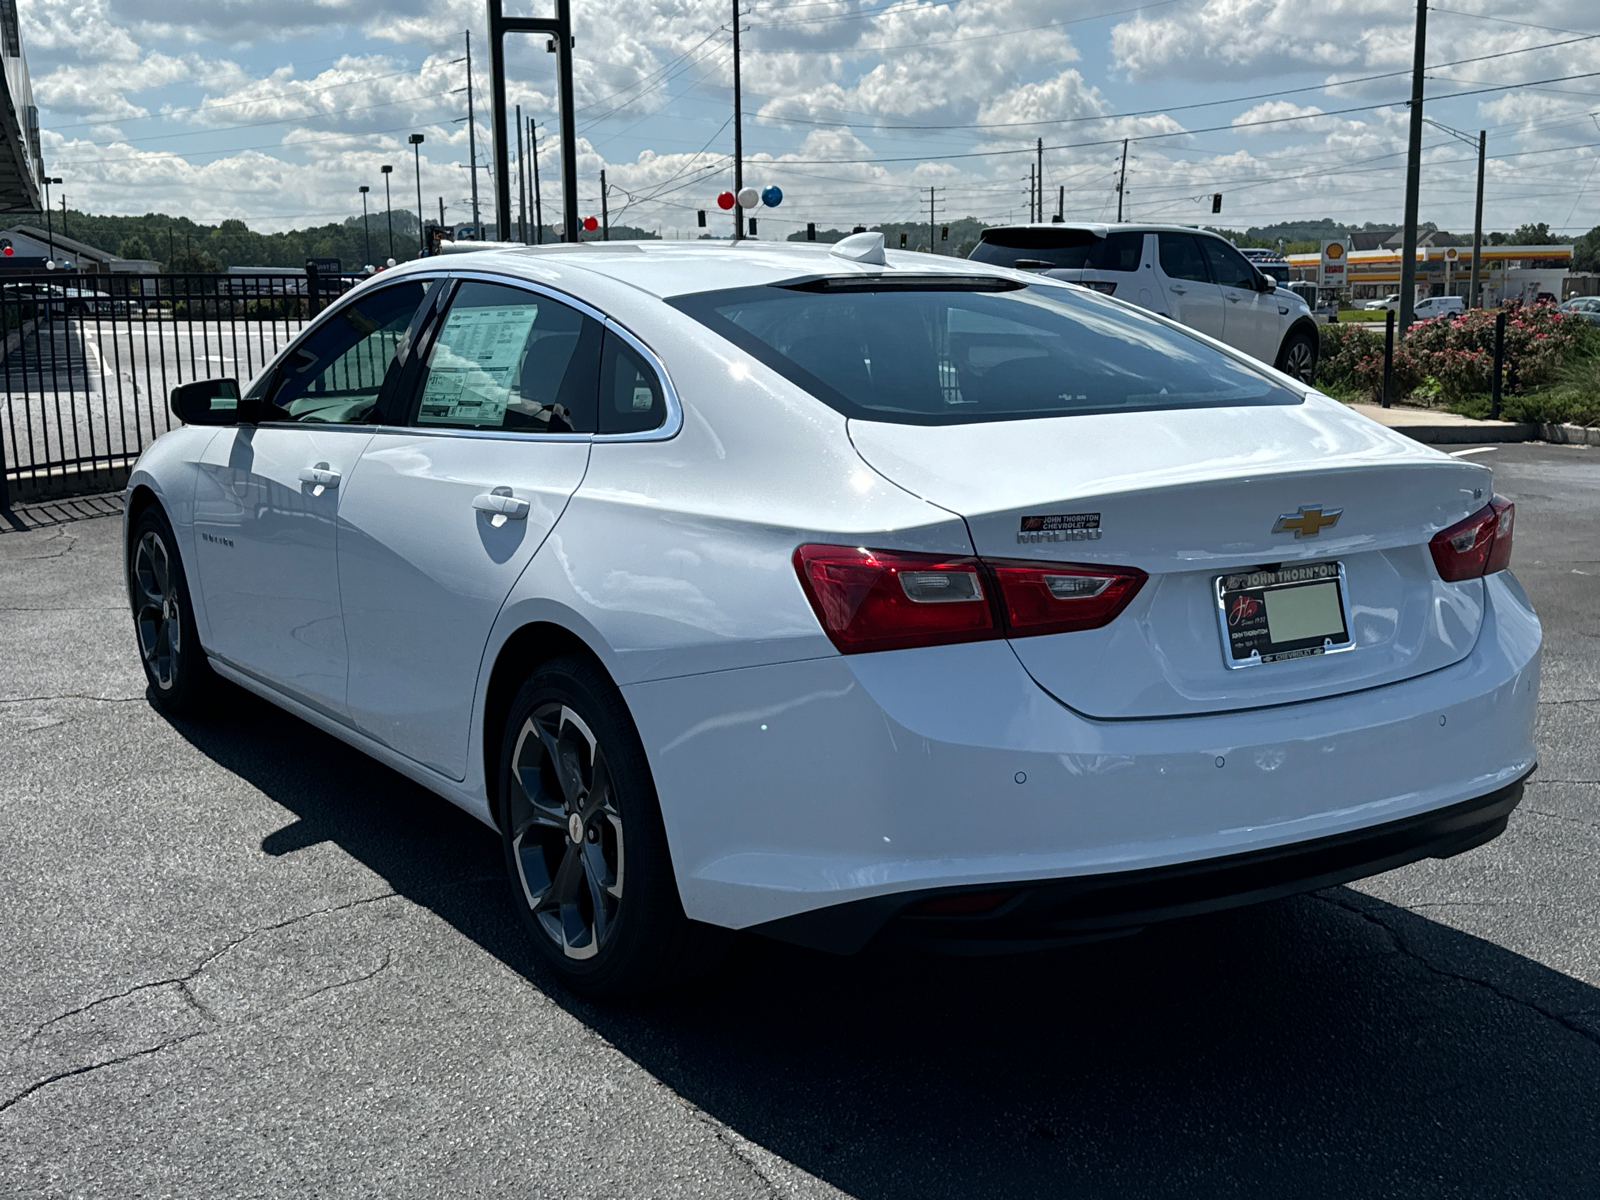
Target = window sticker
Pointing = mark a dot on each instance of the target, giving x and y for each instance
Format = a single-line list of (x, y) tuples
[(643, 398), (474, 365)]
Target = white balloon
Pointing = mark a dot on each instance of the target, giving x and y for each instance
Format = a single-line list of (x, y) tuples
[(749, 197)]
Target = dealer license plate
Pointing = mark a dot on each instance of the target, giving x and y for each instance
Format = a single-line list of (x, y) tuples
[(1293, 612)]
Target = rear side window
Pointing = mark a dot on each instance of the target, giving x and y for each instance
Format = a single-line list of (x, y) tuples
[(1063, 249), (631, 396), (1181, 258), (933, 353)]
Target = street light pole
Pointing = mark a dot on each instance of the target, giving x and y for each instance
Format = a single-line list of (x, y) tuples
[(416, 154), (388, 207), (49, 225), (1481, 142), (365, 228), (1477, 223), (1408, 251)]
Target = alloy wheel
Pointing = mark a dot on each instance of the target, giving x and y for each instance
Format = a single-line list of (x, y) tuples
[(566, 830), (1300, 362), (156, 610)]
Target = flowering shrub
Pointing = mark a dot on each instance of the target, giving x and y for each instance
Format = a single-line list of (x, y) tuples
[(1453, 357)]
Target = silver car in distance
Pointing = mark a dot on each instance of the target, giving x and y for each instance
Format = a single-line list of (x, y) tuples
[(842, 596)]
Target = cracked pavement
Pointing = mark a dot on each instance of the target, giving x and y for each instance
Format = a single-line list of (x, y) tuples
[(242, 960)]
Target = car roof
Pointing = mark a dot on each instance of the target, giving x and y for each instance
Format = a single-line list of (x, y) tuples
[(672, 268), (1100, 229)]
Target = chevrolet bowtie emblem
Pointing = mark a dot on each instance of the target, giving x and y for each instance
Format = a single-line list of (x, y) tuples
[(1308, 522)]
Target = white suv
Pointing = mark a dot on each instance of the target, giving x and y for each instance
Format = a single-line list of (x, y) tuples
[(1190, 275)]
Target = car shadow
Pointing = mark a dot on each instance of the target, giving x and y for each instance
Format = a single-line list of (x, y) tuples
[(1329, 1045)]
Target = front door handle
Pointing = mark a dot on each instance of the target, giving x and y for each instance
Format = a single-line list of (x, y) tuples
[(1232, 299), (502, 506), (320, 477), (1182, 291)]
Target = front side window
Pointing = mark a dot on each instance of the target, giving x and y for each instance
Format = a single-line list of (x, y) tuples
[(1228, 266), (1181, 257), (337, 372), (944, 352), (509, 359)]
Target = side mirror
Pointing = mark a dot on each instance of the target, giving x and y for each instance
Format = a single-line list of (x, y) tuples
[(1266, 283), (207, 402)]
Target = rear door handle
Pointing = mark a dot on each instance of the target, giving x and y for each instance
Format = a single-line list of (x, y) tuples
[(321, 476), (1182, 291), (501, 505), (1232, 299)]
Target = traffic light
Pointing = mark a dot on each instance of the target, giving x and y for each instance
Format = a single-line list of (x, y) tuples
[(944, 233), (811, 231), (902, 241), (1216, 202), (702, 216)]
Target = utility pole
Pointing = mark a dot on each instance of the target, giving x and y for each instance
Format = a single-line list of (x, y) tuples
[(558, 29), (441, 215), (364, 189), (1039, 176), (738, 133), (1477, 223), (538, 206), (1031, 190), (1061, 203), (1122, 176), (522, 183), (1408, 251), (933, 246), (605, 213), (472, 142)]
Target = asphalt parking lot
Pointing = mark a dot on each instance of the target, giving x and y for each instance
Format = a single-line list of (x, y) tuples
[(241, 959)]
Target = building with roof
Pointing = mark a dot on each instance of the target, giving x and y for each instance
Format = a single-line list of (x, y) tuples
[(32, 246), (1507, 272), (21, 163)]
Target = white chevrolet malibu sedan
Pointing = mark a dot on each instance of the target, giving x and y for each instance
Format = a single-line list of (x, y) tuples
[(842, 596)]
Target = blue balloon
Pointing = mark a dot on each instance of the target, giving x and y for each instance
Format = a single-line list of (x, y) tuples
[(771, 196)]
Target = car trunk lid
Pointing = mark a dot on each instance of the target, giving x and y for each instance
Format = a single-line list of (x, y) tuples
[(1189, 496)]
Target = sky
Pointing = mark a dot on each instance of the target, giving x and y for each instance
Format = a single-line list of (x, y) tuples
[(274, 112)]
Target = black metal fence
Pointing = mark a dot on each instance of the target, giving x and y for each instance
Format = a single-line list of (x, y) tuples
[(88, 362)]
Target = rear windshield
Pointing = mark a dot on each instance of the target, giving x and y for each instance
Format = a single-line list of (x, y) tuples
[(933, 353), (1063, 249)]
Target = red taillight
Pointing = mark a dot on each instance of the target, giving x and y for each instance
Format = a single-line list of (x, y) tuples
[(887, 600), (890, 600), (1479, 545), (1061, 597)]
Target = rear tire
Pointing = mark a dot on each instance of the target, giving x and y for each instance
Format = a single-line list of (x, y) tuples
[(1298, 358), (586, 850), (181, 680)]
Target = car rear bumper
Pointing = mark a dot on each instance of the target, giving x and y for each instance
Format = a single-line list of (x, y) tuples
[(801, 786), (1042, 913)]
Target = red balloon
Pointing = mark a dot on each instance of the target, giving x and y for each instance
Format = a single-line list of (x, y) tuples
[(591, 224), (726, 200)]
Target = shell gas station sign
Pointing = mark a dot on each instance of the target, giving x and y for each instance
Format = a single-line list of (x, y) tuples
[(1335, 255)]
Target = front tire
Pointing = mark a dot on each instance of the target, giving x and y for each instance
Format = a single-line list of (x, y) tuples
[(180, 678), (585, 847), (1298, 358)]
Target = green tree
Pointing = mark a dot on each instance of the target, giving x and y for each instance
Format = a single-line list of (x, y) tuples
[(1532, 235), (134, 246), (1586, 251), (191, 261)]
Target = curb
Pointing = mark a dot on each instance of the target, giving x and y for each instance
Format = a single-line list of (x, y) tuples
[(1509, 431)]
